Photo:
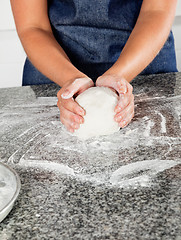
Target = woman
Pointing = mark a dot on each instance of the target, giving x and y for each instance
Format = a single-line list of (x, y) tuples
[(75, 43)]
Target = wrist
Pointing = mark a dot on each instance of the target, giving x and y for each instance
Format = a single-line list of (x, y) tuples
[(78, 80), (115, 71), (122, 69), (69, 74)]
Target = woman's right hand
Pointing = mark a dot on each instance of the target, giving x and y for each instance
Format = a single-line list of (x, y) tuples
[(71, 113)]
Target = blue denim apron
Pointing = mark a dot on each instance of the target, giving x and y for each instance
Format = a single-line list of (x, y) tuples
[(93, 34)]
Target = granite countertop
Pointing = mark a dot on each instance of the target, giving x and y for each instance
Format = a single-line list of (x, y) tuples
[(122, 186)]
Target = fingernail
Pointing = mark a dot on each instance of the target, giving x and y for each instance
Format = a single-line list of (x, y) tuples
[(118, 109), (121, 96), (76, 119), (123, 123), (125, 90), (81, 112), (118, 118), (66, 95), (75, 125), (81, 121), (71, 130), (122, 90)]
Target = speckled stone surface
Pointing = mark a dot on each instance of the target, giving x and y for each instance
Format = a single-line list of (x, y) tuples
[(122, 186)]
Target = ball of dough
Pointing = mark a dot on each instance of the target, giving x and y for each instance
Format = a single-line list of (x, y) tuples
[(99, 104)]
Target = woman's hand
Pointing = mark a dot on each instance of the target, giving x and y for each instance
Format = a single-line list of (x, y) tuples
[(71, 114), (125, 107)]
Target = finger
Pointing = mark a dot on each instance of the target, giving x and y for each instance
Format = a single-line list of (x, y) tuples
[(118, 83), (121, 86), (73, 88), (58, 104), (72, 106), (129, 88), (67, 126), (124, 114), (70, 117), (127, 121), (68, 121), (124, 101), (59, 94)]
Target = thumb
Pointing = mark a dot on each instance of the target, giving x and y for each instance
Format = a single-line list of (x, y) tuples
[(77, 84), (117, 83)]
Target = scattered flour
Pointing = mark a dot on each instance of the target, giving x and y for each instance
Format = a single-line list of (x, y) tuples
[(93, 160), (49, 166), (149, 126), (163, 122), (140, 173)]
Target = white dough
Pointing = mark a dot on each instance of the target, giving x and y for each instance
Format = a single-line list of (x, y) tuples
[(99, 104)]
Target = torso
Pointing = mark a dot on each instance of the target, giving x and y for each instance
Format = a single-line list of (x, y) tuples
[(93, 34)]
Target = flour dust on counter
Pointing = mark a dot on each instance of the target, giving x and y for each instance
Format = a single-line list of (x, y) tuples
[(99, 160), (133, 175), (122, 186), (37, 139), (142, 172)]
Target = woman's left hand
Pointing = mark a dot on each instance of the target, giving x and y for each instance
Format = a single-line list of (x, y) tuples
[(124, 111)]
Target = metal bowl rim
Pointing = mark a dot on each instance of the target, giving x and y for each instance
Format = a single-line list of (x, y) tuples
[(18, 187)]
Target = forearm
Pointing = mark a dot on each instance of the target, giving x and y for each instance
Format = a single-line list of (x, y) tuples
[(47, 55), (147, 38)]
